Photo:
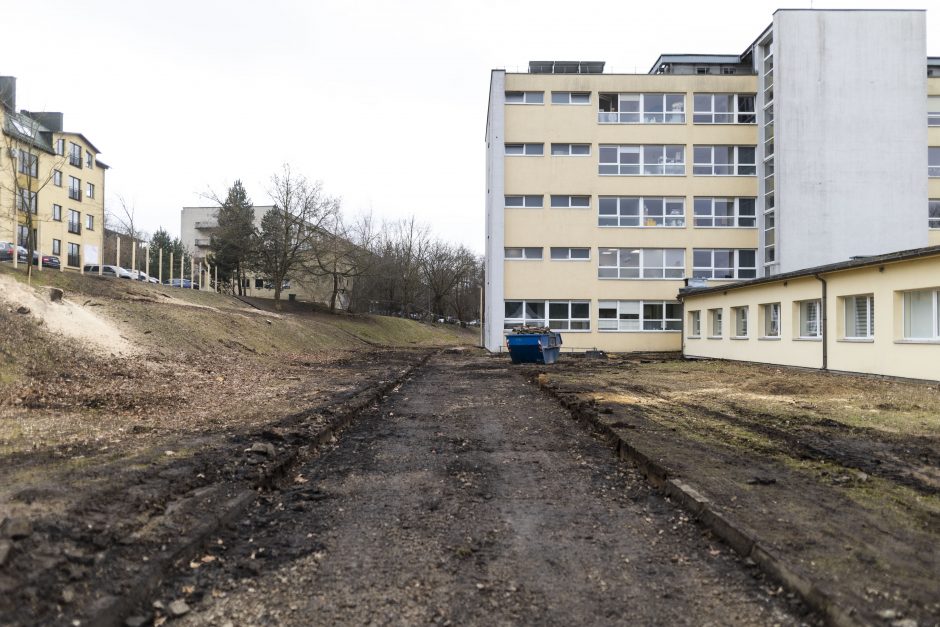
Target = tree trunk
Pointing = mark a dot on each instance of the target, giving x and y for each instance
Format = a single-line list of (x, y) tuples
[(333, 295)]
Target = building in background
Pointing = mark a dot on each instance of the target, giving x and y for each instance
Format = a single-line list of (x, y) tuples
[(57, 176), (820, 142), (196, 227)]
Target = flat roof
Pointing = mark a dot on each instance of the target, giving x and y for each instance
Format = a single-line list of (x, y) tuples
[(566, 67), (861, 262)]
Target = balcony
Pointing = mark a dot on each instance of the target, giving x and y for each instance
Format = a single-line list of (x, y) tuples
[(203, 242), (206, 224), (75, 160), (75, 227), (75, 194)]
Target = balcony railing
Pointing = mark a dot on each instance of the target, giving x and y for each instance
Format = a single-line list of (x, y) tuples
[(75, 160), (75, 194), (203, 241), (73, 260), (75, 227), (206, 224)]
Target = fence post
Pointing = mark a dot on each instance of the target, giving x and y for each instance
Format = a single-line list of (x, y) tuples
[(160, 265)]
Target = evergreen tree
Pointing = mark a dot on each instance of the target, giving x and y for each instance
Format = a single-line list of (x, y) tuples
[(233, 242), (161, 240)]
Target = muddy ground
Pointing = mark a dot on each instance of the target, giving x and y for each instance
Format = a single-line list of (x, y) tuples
[(468, 497), (840, 474)]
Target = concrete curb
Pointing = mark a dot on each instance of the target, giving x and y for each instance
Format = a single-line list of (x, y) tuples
[(111, 611), (742, 540)]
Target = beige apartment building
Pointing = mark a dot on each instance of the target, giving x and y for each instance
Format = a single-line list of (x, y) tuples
[(57, 176), (607, 192)]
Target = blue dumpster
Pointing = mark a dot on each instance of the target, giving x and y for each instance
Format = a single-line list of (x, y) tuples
[(534, 348)]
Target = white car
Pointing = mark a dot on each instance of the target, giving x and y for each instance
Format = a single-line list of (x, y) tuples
[(140, 275), (109, 271)]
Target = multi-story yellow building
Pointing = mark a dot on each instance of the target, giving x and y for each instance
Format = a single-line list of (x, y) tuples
[(56, 175), (605, 192)]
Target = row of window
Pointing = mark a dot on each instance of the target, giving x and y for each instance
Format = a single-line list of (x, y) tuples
[(75, 154), (921, 318), (612, 315), (650, 263), (669, 108), (28, 164), (73, 248), (652, 159)]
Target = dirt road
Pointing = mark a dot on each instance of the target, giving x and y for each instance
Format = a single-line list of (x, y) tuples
[(467, 497)]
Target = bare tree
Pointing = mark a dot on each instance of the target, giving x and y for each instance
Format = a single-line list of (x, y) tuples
[(24, 143), (290, 231), (443, 267), (342, 253)]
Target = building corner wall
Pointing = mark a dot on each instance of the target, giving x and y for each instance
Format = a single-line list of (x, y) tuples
[(495, 229)]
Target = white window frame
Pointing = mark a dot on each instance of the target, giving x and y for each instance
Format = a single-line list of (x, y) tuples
[(533, 149), (569, 201), (527, 201), (772, 323), (850, 302), (511, 322), (933, 161), (652, 160), (568, 98), (525, 97), (738, 271), (644, 266), (646, 111), (641, 322), (934, 295), (710, 116), (525, 253), (736, 218), (933, 110), (810, 328), (737, 167), (643, 218), (546, 305), (568, 150), (565, 253), (741, 322), (933, 213), (716, 323), (695, 323)]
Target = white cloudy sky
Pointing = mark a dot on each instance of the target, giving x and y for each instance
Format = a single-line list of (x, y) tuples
[(382, 100)]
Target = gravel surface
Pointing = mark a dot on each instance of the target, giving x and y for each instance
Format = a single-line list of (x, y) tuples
[(468, 497)]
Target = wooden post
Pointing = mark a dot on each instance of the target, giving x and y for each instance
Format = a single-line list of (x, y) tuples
[(134, 244), (160, 265), (117, 255), (192, 271), (171, 267), (215, 269), (182, 260), (147, 266)]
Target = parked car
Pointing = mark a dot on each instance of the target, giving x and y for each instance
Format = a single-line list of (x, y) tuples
[(48, 261), (184, 283), (6, 252), (108, 271), (140, 275)]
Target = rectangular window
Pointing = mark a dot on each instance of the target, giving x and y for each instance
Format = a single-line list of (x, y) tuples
[(724, 109), (724, 161), (57, 178), (26, 198), (571, 97), (60, 147), (933, 214), (933, 110), (75, 188), (528, 201), (57, 213), (714, 322), (89, 160), (641, 108), (75, 222), (75, 155), (259, 284), (74, 260), (724, 263), (695, 324), (639, 315), (90, 190), (56, 247), (524, 313), (569, 315), (28, 163), (522, 253), (641, 263), (771, 313), (933, 161), (571, 150), (525, 97), (570, 254), (22, 235), (648, 211), (89, 222), (922, 315), (811, 319), (570, 202), (526, 150), (646, 160), (860, 316), (725, 212), (740, 321)]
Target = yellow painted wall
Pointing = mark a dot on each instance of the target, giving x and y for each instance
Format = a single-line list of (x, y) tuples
[(886, 354)]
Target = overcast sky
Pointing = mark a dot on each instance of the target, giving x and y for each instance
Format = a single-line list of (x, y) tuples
[(382, 100)]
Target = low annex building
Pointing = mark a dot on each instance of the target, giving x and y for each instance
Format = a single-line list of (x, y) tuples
[(874, 315)]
